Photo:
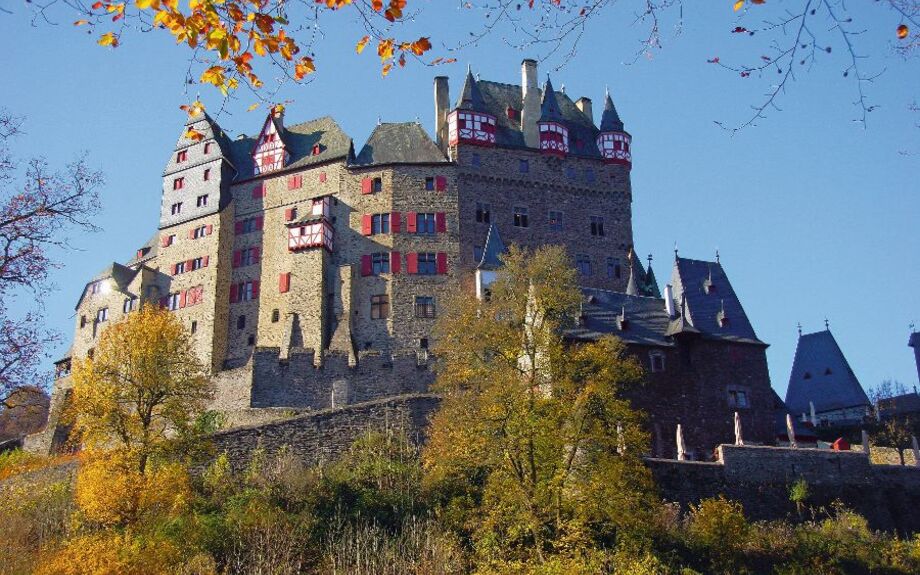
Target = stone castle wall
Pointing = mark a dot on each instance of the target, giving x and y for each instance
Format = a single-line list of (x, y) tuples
[(760, 479)]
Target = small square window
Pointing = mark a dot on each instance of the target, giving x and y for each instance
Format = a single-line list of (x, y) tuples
[(380, 224), (475, 160), (427, 264), (570, 173), (424, 307), (583, 264), (194, 326), (380, 263), (102, 315), (202, 201), (429, 184), (207, 148), (276, 315), (477, 253), (377, 185), (251, 340), (424, 223), (176, 209), (597, 226), (738, 398), (241, 322), (614, 270), (656, 361), (589, 176), (207, 174), (555, 221), (178, 183), (181, 156), (523, 166)]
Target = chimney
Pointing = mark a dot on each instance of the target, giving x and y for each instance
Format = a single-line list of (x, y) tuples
[(584, 104), (441, 108), (530, 96), (669, 300)]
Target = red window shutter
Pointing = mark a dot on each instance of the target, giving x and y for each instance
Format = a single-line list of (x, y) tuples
[(140, 254), (256, 254), (410, 222), (175, 269), (366, 224), (238, 227), (164, 301), (237, 258), (441, 262), (366, 265), (233, 293), (367, 186), (191, 234), (255, 289), (394, 262), (440, 183), (440, 222), (204, 261), (208, 230), (411, 263), (284, 282), (322, 177), (257, 192), (164, 241), (259, 222), (188, 265), (182, 298), (292, 182), (289, 214), (395, 222)]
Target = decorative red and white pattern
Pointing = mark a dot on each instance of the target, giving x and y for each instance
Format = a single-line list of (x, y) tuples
[(615, 147), (471, 127), (311, 235)]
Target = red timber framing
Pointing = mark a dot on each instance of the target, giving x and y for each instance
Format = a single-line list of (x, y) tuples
[(316, 230), (470, 128)]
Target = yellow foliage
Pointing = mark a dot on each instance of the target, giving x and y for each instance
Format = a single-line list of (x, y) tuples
[(111, 492)]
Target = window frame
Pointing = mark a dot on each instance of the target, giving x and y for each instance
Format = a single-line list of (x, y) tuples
[(520, 218), (380, 306), (426, 308)]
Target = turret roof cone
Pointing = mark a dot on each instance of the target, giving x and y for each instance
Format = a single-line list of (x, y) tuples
[(549, 109), (610, 120), (470, 96)]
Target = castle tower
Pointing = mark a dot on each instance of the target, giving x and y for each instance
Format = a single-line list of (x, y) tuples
[(554, 135), (614, 142), (470, 123)]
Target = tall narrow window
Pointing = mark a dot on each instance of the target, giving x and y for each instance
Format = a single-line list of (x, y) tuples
[(614, 271), (176, 209), (202, 201), (207, 174), (102, 315), (377, 185), (597, 226), (380, 224), (427, 264), (555, 221), (656, 361), (380, 306), (181, 156), (520, 217), (583, 264), (207, 148), (178, 183), (483, 212), (425, 223), (524, 166), (429, 184)]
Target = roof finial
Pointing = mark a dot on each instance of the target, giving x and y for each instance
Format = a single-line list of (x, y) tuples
[(799, 326), (606, 90), (827, 324), (378, 120), (675, 251), (912, 327), (650, 260), (717, 255), (469, 68)]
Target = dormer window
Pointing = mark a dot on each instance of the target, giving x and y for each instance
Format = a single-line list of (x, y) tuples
[(827, 371), (512, 113), (207, 148), (806, 376), (315, 150)]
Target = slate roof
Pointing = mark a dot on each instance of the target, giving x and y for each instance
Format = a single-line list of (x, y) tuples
[(149, 248), (399, 143), (549, 106), (830, 384), (905, 404), (492, 250), (650, 286), (646, 318), (498, 97), (299, 140), (610, 119), (470, 96), (689, 279)]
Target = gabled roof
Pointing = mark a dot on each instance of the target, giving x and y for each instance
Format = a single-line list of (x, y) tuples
[(549, 107), (651, 282), (492, 250), (821, 374), (689, 279), (299, 141), (681, 324), (610, 119), (904, 404), (646, 318), (119, 274), (470, 96), (498, 97), (400, 143)]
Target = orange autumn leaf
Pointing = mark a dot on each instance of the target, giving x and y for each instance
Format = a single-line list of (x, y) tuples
[(361, 44), (193, 135), (108, 39), (421, 46), (194, 109), (81, 22), (738, 5), (303, 67), (385, 50), (903, 31)]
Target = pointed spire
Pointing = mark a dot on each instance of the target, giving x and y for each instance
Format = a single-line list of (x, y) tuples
[(799, 326), (632, 285), (492, 250), (470, 96), (610, 120), (549, 108), (651, 282)]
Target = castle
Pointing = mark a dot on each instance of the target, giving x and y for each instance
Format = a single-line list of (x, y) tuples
[(311, 276)]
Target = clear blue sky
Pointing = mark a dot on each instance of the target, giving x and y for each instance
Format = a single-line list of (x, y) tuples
[(814, 216)]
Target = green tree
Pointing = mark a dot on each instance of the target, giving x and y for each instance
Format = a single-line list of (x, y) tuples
[(534, 438), (143, 390)]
